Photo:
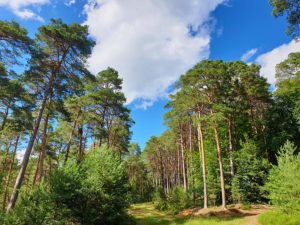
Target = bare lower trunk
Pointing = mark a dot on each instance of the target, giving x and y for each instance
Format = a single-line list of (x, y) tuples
[(5, 116), (220, 162), (191, 159), (230, 147), (10, 172), (40, 173), (50, 164), (3, 168), (202, 158), (71, 137), (253, 122), (37, 169), (183, 160), (80, 149), (27, 153)]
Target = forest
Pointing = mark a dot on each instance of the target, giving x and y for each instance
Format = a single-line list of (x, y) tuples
[(232, 142)]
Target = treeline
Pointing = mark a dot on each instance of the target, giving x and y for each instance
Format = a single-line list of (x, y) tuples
[(226, 126), (56, 110)]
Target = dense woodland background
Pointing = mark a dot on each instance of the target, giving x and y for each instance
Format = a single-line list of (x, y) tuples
[(231, 138)]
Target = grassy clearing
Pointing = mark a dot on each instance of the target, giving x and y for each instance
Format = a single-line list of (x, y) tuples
[(146, 214), (278, 218)]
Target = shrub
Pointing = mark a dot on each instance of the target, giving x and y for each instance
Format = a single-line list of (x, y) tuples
[(283, 183), (160, 199), (179, 199), (92, 192), (251, 172), (37, 207)]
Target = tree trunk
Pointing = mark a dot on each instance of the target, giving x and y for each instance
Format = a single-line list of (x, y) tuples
[(178, 167), (220, 162), (71, 136), (191, 158), (252, 115), (10, 172), (183, 160), (37, 170), (27, 153), (40, 173), (202, 158), (5, 157), (50, 164), (230, 147), (80, 149), (5, 116)]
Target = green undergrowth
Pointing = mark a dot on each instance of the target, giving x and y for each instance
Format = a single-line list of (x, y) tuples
[(146, 214), (279, 218)]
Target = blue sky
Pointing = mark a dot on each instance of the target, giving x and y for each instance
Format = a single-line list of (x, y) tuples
[(151, 46)]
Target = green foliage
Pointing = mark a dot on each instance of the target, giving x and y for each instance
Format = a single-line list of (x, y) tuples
[(104, 103), (290, 8), (288, 76), (283, 182), (37, 207), (251, 172), (296, 112), (160, 199), (94, 192), (278, 218), (106, 178), (179, 200), (282, 125), (176, 201), (139, 182), (13, 41)]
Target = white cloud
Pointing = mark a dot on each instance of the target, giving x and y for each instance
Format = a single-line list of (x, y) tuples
[(149, 42), (70, 2), (249, 54), (269, 60), (20, 7), (20, 155)]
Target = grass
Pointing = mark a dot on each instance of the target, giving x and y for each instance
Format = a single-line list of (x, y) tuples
[(279, 218), (146, 214)]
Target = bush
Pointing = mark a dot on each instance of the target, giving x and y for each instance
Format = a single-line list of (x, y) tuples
[(283, 183), (37, 207), (108, 181), (92, 192), (179, 200), (160, 199), (176, 201), (251, 172)]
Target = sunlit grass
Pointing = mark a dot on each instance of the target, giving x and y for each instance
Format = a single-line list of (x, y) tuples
[(279, 218)]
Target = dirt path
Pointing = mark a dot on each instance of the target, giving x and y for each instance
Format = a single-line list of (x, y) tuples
[(253, 219)]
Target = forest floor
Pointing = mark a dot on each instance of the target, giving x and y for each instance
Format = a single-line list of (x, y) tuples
[(146, 214)]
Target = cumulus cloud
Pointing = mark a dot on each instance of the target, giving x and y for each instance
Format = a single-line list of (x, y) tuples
[(269, 60), (20, 7), (151, 43), (249, 54)]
